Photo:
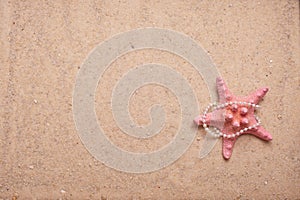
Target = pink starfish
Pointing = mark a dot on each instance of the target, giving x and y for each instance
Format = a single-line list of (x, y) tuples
[(235, 117)]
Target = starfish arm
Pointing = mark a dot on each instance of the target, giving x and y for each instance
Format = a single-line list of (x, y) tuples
[(199, 119), (258, 95), (223, 91), (215, 118), (228, 144), (261, 133)]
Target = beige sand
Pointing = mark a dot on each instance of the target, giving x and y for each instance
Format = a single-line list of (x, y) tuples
[(43, 43)]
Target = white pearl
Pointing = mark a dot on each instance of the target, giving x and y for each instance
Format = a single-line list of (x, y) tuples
[(204, 125)]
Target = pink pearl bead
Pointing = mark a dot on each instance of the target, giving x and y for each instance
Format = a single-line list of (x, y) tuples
[(234, 107), (259, 94), (244, 121), (229, 117), (236, 124), (244, 111), (228, 97)]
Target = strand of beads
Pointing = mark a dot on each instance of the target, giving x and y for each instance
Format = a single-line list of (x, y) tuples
[(216, 132)]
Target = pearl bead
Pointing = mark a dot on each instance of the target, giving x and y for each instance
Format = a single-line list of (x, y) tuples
[(244, 111), (234, 108), (229, 117), (244, 121), (236, 124), (228, 97)]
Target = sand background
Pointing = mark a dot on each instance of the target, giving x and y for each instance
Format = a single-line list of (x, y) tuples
[(43, 43)]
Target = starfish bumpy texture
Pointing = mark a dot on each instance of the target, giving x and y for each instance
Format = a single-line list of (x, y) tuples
[(237, 117)]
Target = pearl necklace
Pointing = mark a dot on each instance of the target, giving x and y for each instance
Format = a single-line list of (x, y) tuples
[(216, 132)]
